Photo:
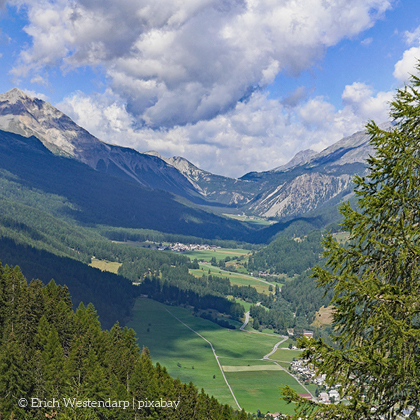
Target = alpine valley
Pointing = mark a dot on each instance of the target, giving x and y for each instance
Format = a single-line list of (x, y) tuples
[(212, 273), (310, 181)]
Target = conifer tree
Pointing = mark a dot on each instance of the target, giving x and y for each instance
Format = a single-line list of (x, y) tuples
[(376, 281), (12, 378), (53, 357)]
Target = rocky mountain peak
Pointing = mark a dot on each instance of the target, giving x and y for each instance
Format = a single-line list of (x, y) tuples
[(300, 157), (26, 116), (13, 95)]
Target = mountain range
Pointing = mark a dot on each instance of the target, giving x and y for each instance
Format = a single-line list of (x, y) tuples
[(309, 182)]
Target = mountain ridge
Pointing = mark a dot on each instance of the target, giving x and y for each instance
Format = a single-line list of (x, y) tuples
[(309, 180), (25, 116)]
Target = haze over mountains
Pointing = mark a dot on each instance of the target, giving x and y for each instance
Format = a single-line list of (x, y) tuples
[(310, 181)]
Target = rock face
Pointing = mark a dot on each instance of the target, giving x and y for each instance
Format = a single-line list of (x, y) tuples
[(304, 193), (310, 180), (26, 116), (215, 188), (319, 179), (300, 157)]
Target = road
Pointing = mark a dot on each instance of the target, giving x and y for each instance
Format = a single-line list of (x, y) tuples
[(245, 322), (267, 357)]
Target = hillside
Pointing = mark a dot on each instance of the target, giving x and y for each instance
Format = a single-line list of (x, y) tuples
[(215, 188), (308, 182), (48, 353), (27, 116), (94, 198)]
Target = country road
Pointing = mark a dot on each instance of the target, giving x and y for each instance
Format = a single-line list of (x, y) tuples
[(267, 357), (245, 322)]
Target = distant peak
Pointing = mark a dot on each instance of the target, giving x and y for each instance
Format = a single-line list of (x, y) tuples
[(156, 154), (299, 158), (153, 153), (13, 95)]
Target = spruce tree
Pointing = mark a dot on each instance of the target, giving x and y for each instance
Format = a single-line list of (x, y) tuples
[(13, 381), (376, 281)]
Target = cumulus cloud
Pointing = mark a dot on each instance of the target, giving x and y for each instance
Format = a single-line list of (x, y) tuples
[(34, 94), (359, 98), (405, 67), (179, 63), (257, 134)]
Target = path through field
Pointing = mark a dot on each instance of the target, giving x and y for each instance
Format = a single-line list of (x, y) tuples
[(215, 355), (265, 358)]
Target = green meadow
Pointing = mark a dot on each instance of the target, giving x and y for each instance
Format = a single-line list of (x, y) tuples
[(105, 265), (218, 253), (235, 278), (189, 357), (285, 355), (248, 219), (263, 393)]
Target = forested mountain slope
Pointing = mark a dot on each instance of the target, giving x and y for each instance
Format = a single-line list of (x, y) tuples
[(28, 116), (50, 353), (94, 198)]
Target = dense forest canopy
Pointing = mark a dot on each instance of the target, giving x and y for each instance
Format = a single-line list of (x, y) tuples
[(288, 256), (49, 352)]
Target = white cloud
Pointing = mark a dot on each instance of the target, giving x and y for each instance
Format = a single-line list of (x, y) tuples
[(412, 37), (366, 42), (178, 63), (359, 98), (405, 67), (34, 94), (257, 134)]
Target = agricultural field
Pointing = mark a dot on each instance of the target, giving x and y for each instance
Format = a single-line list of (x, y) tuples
[(263, 394), (341, 237), (218, 253), (285, 355), (250, 219), (239, 279), (170, 334), (105, 265)]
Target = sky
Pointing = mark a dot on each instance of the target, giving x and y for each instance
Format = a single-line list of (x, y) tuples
[(234, 86)]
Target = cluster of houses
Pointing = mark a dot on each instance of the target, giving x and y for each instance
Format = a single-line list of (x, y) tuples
[(307, 373), (179, 247), (306, 333), (329, 397), (275, 416)]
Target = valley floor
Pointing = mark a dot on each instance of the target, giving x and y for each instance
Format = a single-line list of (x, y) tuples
[(228, 364)]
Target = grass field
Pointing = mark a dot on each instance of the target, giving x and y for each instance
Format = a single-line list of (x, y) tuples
[(251, 368), (341, 237), (248, 219), (190, 358), (235, 278), (285, 355), (262, 394), (219, 254), (285, 345), (246, 305), (105, 265), (323, 317)]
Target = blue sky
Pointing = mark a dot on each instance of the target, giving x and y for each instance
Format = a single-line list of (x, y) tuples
[(232, 85)]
